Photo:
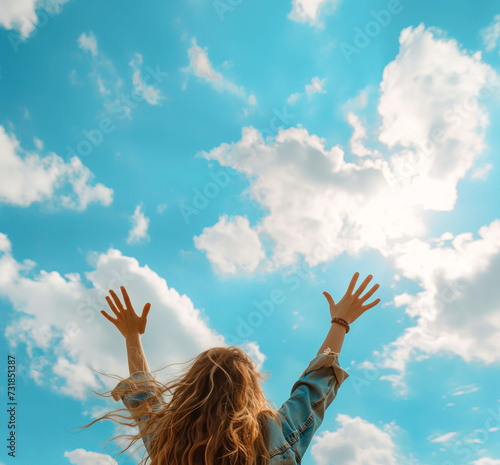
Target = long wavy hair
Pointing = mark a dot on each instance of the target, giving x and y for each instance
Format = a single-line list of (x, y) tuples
[(215, 415)]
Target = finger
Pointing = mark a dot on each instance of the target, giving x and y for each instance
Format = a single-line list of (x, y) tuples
[(352, 284), (126, 298), (329, 298), (112, 306), (369, 293), (145, 311), (366, 307), (363, 286), (108, 317), (116, 299)]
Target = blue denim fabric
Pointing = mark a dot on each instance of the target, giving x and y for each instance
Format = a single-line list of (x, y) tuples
[(302, 413)]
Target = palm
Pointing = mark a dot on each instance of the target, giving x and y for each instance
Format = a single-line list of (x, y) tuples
[(351, 305), (126, 321)]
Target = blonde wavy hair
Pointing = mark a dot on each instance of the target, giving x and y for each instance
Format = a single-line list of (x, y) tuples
[(216, 414)]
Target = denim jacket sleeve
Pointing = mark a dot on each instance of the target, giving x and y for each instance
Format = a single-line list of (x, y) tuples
[(311, 395), (132, 395)]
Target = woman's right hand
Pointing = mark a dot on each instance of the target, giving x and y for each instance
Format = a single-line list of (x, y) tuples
[(351, 307)]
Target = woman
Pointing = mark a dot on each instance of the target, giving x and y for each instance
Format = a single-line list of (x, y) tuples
[(217, 412)]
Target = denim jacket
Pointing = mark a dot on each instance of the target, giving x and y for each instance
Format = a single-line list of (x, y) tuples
[(303, 412)]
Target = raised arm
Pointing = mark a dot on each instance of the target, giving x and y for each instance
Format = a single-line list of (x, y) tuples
[(131, 326), (318, 385), (350, 308), (136, 357)]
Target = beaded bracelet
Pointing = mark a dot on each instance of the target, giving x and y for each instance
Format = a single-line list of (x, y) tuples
[(342, 322)]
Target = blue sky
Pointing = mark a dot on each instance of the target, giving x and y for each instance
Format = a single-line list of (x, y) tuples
[(228, 162)]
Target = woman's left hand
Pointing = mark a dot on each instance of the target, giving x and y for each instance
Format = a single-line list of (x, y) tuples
[(127, 321)]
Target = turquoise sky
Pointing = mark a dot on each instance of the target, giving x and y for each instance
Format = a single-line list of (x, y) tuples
[(228, 161)]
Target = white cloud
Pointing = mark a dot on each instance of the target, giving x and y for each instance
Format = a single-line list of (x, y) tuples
[(231, 245), (253, 349), (470, 388), (140, 224), (73, 77), (88, 43), (200, 66), (358, 135), (317, 205), (103, 90), (481, 172), (486, 461), (162, 207), (85, 457), (293, 98), (358, 102), (26, 177), (21, 15), (38, 143), (310, 10), (151, 93), (5, 245), (58, 319), (342, 446), (430, 105), (454, 279), (491, 34), (313, 197), (315, 87), (447, 437), (106, 78)]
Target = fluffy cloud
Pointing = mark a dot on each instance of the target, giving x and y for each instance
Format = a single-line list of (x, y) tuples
[(457, 275), (151, 93), (21, 15), (140, 224), (109, 84), (58, 319), (486, 461), (491, 34), (200, 66), (358, 136), (309, 10), (342, 447), (318, 205), (231, 245), (26, 177), (85, 457), (315, 87), (88, 43), (431, 105), (444, 438), (481, 172)]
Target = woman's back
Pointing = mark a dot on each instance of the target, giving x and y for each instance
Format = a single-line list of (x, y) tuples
[(218, 414), (299, 417)]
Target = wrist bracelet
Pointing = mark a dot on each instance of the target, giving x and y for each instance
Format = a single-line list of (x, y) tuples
[(342, 322)]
